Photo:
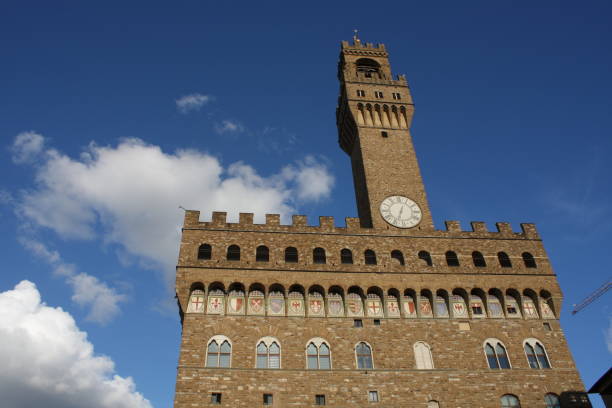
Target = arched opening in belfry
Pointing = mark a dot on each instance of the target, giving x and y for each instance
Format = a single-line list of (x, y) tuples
[(368, 68)]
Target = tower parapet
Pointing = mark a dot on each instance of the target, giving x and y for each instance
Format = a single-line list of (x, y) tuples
[(352, 225)]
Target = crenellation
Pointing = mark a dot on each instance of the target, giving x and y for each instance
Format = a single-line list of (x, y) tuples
[(273, 220), (530, 230), (299, 220), (453, 226), (326, 223), (479, 226), (299, 224), (245, 219), (219, 218), (504, 228)]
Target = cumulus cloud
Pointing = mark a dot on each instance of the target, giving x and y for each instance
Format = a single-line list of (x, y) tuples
[(47, 361), (87, 290), (228, 126), (192, 102), (129, 195), (312, 178), (27, 146)]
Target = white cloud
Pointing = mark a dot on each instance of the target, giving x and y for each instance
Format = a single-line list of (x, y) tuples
[(192, 102), (47, 361), (312, 178), (129, 195), (228, 126), (27, 146), (88, 291)]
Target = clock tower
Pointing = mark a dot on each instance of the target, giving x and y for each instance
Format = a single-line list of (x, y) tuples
[(373, 116)]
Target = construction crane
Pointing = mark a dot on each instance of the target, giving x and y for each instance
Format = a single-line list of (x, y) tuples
[(602, 289)]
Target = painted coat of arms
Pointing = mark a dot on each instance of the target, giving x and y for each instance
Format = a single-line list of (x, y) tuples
[(215, 305), (392, 308), (236, 305), (315, 307), (409, 308), (256, 305), (335, 307), (277, 306), (425, 307)]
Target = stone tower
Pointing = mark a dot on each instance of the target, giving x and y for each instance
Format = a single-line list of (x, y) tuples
[(385, 311)]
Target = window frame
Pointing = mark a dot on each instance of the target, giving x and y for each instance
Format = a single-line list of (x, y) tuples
[(369, 257), (286, 256), (493, 342), (219, 339), (344, 256), (318, 342), (533, 342), (231, 249), (265, 254), (357, 356), (319, 256), (268, 341), (518, 401), (451, 258), (201, 249), (416, 360), (556, 403)]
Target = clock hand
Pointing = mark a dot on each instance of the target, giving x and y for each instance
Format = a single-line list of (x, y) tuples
[(400, 213)]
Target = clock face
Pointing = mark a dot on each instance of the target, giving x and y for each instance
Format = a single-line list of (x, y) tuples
[(400, 211)]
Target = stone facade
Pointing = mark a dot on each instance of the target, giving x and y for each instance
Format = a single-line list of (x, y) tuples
[(238, 282)]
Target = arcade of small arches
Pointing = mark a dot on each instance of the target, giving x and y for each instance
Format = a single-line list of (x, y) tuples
[(337, 301), (382, 115), (319, 256)]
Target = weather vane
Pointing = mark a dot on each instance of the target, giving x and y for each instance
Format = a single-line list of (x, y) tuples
[(356, 36)]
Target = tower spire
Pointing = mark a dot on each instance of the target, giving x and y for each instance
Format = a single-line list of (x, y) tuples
[(356, 39)]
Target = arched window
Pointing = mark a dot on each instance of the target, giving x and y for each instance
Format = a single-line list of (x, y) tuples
[(398, 256), (346, 256), (478, 259), (363, 353), (233, 253), (262, 254), (318, 256), (368, 67), (318, 355), (510, 401), (536, 355), (291, 255), (370, 257), (497, 358), (268, 353), (552, 400), (529, 260), (451, 258), (219, 352), (204, 251), (422, 355), (504, 260), (433, 404), (424, 255)]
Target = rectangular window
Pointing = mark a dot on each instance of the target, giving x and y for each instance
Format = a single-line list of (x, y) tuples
[(373, 396), (268, 399), (547, 326), (215, 398), (511, 310), (378, 94), (360, 92), (384, 134), (376, 322), (357, 323), (476, 309), (397, 96), (320, 399)]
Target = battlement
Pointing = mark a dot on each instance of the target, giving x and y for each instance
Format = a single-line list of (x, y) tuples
[(299, 224), (359, 48)]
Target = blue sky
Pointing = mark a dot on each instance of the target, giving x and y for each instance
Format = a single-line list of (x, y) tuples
[(100, 147)]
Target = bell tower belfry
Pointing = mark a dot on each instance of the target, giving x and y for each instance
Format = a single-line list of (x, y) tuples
[(373, 117)]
